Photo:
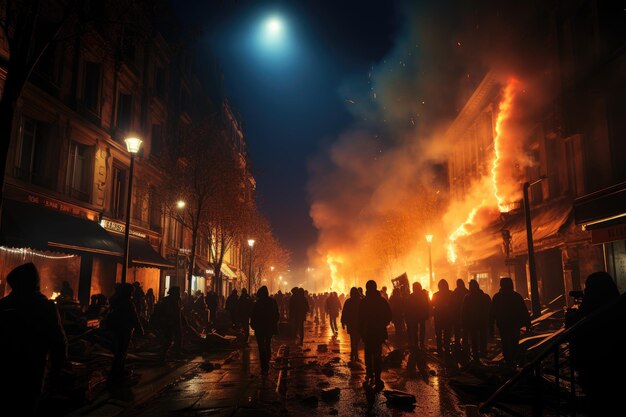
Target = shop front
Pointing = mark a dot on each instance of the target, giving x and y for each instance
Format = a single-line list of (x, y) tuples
[(603, 215), (65, 242)]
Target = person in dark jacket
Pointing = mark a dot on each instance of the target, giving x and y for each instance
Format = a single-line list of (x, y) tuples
[(139, 299), (333, 307), (396, 304), (510, 314), (169, 318), (350, 319), (475, 313), (243, 311), (298, 307), (374, 316), (30, 334), (597, 347), (122, 320), (416, 315), (458, 295), (442, 306), (264, 320), (231, 305), (212, 300), (150, 302)]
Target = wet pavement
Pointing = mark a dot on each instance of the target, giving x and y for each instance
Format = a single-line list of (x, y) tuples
[(295, 384)]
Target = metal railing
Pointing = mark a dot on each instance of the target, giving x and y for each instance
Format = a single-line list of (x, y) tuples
[(557, 377)]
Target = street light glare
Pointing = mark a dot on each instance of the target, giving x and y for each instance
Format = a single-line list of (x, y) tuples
[(429, 238), (274, 26), (180, 204), (251, 242)]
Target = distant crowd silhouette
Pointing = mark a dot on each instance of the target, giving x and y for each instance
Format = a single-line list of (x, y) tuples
[(33, 342)]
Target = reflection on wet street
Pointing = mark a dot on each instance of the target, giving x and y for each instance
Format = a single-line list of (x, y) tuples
[(300, 382)]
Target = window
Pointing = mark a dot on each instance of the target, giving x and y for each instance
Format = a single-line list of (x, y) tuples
[(140, 204), (156, 140), (78, 171), (124, 112), (36, 157), (91, 86), (155, 210), (129, 50), (118, 193), (175, 232)]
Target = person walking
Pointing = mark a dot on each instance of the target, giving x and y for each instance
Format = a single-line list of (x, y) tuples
[(31, 337), (374, 316), (243, 311), (211, 302), (169, 316), (231, 305), (416, 316), (441, 303), (396, 304), (475, 315), (298, 307), (458, 295), (333, 307), (121, 321), (350, 319), (264, 319), (510, 314), (150, 302)]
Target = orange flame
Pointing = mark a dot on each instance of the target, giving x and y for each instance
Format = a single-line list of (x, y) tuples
[(462, 231), (504, 112)]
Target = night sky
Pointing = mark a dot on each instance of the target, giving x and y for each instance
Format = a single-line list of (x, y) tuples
[(290, 101)]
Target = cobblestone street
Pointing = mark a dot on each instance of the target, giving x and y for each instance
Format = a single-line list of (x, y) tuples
[(238, 389)]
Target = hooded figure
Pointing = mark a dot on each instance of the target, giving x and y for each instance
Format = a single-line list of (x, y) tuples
[(458, 295), (350, 318), (264, 320), (417, 309), (242, 312), (510, 314), (374, 316), (475, 314), (597, 348), (169, 317), (442, 311), (298, 307), (30, 333)]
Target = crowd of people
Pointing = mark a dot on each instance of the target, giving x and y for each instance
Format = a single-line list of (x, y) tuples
[(462, 319)]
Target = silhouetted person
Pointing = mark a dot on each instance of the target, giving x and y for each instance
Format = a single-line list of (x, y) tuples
[(442, 312), (510, 314), (383, 293), (361, 292), (280, 300), (150, 301), (350, 319), (475, 312), (374, 316), (30, 333), (243, 311), (98, 307), (416, 315), (333, 307), (264, 320), (396, 304), (458, 295), (597, 348), (139, 299), (170, 321), (298, 307), (121, 321), (66, 294), (231, 305), (211, 302)]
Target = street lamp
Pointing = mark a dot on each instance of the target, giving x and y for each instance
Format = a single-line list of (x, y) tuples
[(133, 144), (251, 244), (534, 286), (180, 204), (429, 240)]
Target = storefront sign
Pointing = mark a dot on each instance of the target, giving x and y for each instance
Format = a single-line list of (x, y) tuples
[(57, 205), (609, 234), (119, 228)]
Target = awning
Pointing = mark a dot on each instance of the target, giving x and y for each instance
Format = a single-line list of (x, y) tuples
[(547, 221), (31, 226), (227, 271), (142, 254), (606, 207), (202, 265)]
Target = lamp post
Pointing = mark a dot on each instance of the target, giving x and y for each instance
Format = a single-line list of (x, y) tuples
[(429, 240), (534, 286), (251, 244), (133, 145)]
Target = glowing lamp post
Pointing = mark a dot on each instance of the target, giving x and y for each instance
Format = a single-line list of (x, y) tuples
[(133, 145), (251, 244), (532, 269), (429, 240)]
